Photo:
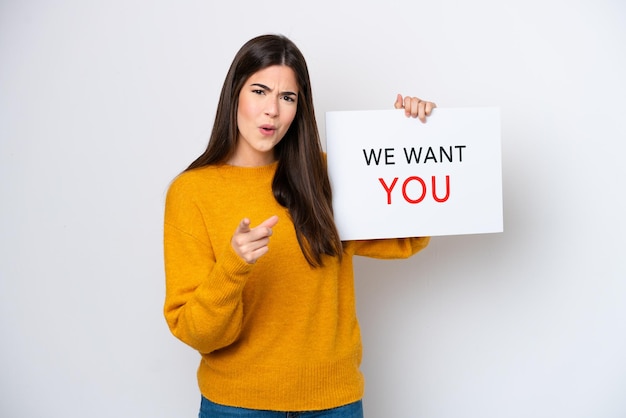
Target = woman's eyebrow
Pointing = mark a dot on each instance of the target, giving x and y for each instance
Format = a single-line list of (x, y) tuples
[(264, 87)]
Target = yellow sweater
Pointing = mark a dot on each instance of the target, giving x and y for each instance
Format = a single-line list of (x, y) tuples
[(275, 335)]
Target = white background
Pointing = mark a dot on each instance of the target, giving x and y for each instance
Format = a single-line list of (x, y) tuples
[(103, 102)]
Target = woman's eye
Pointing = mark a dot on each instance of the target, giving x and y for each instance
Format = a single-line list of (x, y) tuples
[(258, 91), (289, 98)]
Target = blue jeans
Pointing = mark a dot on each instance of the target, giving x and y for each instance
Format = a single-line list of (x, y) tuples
[(209, 409)]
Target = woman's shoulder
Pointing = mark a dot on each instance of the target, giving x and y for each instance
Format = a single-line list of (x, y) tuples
[(191, 180), (195, 174)]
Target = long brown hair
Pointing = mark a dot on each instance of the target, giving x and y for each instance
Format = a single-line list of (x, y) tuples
[(301, 181)]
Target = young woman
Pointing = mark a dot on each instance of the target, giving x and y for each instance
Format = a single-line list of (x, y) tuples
[(257, 279)]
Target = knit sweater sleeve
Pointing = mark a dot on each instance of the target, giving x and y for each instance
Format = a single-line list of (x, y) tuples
[(203, 300), (388, 248)]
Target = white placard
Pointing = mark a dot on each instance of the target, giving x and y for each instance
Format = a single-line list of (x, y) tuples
[(394, 176)]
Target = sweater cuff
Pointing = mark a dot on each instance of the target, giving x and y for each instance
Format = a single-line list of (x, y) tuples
[(231, 273)]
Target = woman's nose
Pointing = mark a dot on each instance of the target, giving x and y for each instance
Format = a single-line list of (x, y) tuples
[(271, 107)]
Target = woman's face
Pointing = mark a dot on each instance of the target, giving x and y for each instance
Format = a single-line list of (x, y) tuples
[(267, 105)]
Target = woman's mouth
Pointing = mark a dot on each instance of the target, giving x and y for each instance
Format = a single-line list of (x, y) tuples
[(267, 129)]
